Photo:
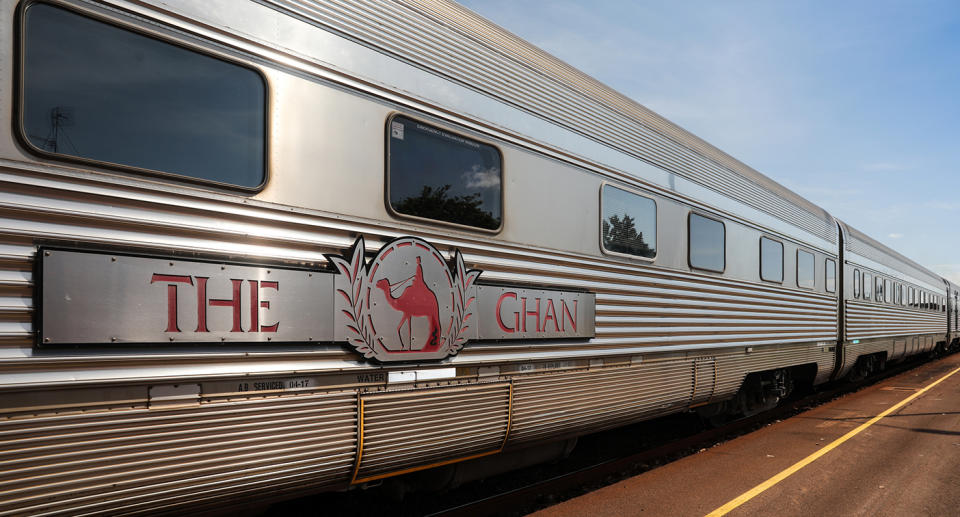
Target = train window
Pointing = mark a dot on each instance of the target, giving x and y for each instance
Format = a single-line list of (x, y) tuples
[(805, 269), (879, 289), (887, 288), (856, 283), (707, 241), (912, 297), (99, 93), (629, 223), (867, 286), (771, 260), (830, 275), (435, 174)]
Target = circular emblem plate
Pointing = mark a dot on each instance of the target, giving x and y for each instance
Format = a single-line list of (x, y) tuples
[(406, 304)]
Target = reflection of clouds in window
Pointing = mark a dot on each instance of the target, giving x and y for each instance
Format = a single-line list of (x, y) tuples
[(139, 101), (482, 178)]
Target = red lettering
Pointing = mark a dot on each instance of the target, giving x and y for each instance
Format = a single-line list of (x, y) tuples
[(566, 314), (551, 314), (254, 305), (531, 313), (202, 304), (233, 302), (516, 324), (266, 305), (171, 296)]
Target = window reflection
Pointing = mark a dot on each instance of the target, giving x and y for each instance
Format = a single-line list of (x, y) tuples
[(706, 243), (95, 91), (443, 176), (771, 260), (629, 223), (831, 276), (805, 269)]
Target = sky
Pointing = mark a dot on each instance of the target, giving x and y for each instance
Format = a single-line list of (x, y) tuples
[(854, 105)]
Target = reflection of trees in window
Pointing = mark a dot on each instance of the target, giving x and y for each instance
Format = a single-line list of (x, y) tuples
[(439, 204), (620, 235)]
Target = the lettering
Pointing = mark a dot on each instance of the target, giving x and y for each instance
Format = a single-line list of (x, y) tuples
[(171, 296), (514, 312), (371, 377), (500, 322), (235, 302)]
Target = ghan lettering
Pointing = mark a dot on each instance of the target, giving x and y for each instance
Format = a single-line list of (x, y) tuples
[(515, 313), (234, 303)]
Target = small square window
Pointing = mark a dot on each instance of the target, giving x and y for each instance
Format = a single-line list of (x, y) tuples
[(706, 243), (771, 260), (629, 223)]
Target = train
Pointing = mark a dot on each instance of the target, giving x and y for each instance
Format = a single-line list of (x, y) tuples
[(251, 250)]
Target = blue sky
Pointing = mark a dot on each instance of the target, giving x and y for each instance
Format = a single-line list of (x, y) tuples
[(854, 105)]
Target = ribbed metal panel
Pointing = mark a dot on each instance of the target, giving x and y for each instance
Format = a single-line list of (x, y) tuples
[(636, 307), (407, 430), (866, 320), (16, 291), (704, 379), (895, 348), (459, 45), (76, 462), (568, 403), (572, 403)]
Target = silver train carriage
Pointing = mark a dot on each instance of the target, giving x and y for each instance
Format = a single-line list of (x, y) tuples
[(255, 249)]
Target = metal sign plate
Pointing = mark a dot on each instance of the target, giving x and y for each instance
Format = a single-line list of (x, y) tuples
[(101, 298), (514, 313), (409, 303)]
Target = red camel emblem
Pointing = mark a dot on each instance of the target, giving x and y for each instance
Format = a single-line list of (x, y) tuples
[(444, 293), (417, 299)]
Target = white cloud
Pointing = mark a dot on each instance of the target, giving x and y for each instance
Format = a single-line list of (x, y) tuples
[(895, 235), (482, 178)]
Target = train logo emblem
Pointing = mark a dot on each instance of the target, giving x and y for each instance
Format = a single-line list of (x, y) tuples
[(406, 304)]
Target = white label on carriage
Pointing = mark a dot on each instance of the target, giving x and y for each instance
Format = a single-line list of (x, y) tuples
[(514, 313), (106, 298)]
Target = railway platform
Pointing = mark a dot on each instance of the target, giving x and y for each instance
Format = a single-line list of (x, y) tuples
[(892, 448)]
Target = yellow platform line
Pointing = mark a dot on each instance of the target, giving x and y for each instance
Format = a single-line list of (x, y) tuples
[(759, 489)]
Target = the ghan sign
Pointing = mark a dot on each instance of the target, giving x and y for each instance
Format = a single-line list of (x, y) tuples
[(408, 303)]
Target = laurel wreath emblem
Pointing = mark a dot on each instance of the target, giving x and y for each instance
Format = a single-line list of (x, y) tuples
[(359, 321)]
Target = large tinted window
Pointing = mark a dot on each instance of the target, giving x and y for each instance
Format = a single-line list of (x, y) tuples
[(94, 91), (805, 269), (629, 223), (771, 260), (831, 276), (706, 243), (444, 176)]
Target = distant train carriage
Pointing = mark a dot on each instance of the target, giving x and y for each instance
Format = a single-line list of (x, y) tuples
[(893, 307), (255, 249)]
